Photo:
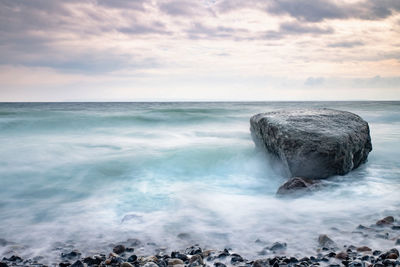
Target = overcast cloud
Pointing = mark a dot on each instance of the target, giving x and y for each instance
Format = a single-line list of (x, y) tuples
[(199, 49)]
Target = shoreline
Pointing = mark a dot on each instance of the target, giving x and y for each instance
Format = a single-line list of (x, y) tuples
[(328, 253)]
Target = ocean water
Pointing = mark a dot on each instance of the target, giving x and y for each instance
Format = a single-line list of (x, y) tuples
[(89, 175)]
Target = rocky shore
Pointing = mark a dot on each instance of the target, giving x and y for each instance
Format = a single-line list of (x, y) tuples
[(328, 253)]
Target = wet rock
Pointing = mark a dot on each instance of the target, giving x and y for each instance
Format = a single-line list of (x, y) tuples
[(363, 249), (224, 254), (341, 255), (150, 264), (220, 264), (13, 258), (236, 258), (133, 242), (313, 143), (277, 246), (396, 227), (173, 262), (297, 185), (132, 258), (178, 255), (196, 260), (64, 264), (3, 264), (71, 255), (78, 263), (92, 260), (119, 249), (193, 250), (183, 236), (325, 241), (385, 221), (129, 249), (127, 264), (397, 243), (3, 242)]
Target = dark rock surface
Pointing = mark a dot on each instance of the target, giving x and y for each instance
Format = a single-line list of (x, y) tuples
[(297, 185), (313, 143)]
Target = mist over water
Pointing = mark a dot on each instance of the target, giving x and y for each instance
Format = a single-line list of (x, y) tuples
[(85, 175)]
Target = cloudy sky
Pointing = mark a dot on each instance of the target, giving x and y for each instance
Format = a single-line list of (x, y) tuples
[(140, 50)]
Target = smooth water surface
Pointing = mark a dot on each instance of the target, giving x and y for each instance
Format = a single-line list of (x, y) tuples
[(85, 175)]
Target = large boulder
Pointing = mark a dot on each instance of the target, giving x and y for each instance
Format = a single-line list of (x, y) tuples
[(313, 143)]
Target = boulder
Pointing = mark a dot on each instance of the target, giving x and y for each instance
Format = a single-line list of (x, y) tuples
[(297, 185), (313, 143)]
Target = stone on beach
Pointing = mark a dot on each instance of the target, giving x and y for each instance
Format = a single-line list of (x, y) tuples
[(297, 185), (313, 143)]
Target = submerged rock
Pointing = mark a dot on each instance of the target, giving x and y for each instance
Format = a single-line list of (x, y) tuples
[(385, 221), (313, 143), (325, 241), (297, 185)]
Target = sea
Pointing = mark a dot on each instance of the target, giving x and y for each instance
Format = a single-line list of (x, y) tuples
[(87, 176)]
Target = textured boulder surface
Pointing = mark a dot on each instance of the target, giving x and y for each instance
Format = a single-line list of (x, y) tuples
[(313, 143)]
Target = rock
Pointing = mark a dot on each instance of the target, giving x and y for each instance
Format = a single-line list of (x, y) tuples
[(193, 250), (363, 249), (325, 241), (173, 262), (64, 264), (78, 263), (196, 259), (3, 264), (133, 242), (385, 221), (149, 264), (183, 236), (71, 255), (297, 185), (220, 264), (341, 255), (132, 258), (277, 246), (3, 242), (313, 143), (13, 258), (92, 260), (119, 249), (397, 243), (127, 264), (178, 255)]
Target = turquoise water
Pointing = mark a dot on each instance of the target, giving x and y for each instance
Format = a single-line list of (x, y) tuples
[(85, 175)]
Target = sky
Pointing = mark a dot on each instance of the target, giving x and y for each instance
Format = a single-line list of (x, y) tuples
[(199, 50)]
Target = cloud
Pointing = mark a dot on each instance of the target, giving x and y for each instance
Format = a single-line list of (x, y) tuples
[(296, 28), (317, 10), (184, 8), (136, 29), (200, 31), (312, 11), (311, 81), (123, 4), (346, 44)]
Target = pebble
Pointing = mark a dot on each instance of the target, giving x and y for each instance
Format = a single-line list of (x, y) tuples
[(277, 246), (132, 258), (149, 264), (119, 249), (325, 241), (385, 221), (363, 249), (341, 255), (196, 259), (127, 264), (193, 250), (173, 262), (78, 263)]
